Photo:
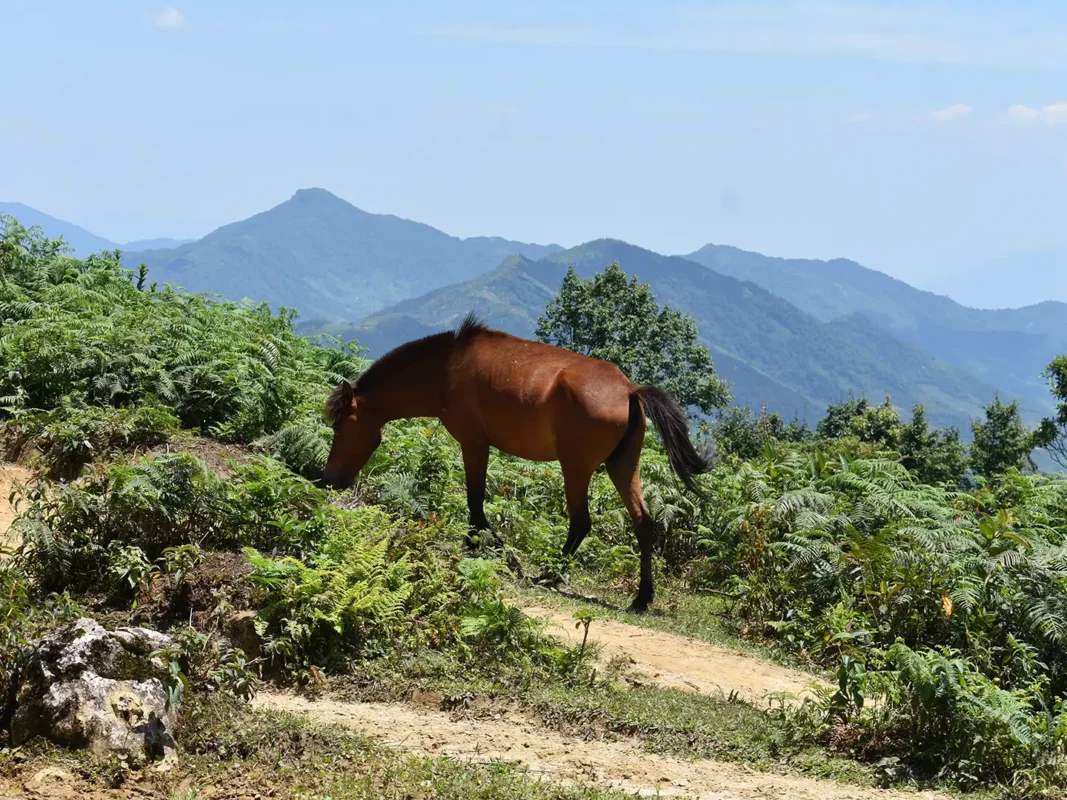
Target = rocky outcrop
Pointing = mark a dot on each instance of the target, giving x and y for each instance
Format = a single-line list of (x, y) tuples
[(86, 687)]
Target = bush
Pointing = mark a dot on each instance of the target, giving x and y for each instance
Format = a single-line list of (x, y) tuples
[(24, 618), (71, 435), (118, 517), (85, 330)]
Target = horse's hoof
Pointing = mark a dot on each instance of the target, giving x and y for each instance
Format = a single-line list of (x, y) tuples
[(638, 607)]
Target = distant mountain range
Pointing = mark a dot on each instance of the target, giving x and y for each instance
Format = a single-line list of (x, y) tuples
[(796, 334), (327, 258), (81, 241), (1007, 348)]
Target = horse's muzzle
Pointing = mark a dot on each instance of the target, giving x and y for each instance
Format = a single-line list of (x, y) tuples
[(337, 479)]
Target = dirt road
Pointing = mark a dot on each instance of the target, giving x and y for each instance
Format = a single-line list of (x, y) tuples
[(623, 764), (680, 663)]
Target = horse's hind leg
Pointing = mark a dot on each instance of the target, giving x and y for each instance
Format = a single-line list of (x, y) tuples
[(475, 466), (625, 472)]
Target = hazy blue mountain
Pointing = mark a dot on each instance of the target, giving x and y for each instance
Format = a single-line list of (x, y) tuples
[(769, 348), (328, 259), (1005, 347), (83, 242), (80, 240), (155, 244)]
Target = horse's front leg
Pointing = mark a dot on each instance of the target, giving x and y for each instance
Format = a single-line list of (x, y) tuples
[(475, 466), (576, 477)]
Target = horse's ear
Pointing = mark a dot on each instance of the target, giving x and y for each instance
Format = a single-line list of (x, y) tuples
[(346, 392)]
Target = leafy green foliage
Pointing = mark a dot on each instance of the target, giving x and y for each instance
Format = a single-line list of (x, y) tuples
[(81, 333), (120, 518), (351, 596), (491, 623), (71, 435), (608, 318), (1053, 431), (934, 456), (960, 721), (1002, 441), (740, 432)]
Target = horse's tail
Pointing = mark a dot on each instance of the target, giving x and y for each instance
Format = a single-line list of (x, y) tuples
[(667, 415)]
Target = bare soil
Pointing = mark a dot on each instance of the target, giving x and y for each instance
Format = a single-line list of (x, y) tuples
[(56, 783), (10, 476), (677, 662), (620, 764)]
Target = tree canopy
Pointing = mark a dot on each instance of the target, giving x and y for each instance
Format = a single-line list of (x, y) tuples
[(618, 320), (1002, 441), (1054, 430)]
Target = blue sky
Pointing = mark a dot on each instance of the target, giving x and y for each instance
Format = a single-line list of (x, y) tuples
[(918, 138)]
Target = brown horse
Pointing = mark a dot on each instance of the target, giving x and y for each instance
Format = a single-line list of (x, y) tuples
[(529, 399)]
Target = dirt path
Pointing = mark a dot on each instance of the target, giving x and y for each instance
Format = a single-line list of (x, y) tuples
[(622, 764), (9, 476), (678, 662)]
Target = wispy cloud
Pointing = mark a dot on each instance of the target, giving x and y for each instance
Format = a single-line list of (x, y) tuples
[(813, 29), (170, 19), (1052, 114), (952, 113), (1056, 114)]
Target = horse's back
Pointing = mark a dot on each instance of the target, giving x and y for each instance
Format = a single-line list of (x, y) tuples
[(537, 401)]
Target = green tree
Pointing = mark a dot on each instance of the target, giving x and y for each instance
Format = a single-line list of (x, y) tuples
[(618, 320), (744, 433), (856, 417), (933, 456), (1003, 441), (1053, 431), (839, 416)]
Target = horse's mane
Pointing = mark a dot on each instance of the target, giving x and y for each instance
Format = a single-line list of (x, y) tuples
[(400, 357)]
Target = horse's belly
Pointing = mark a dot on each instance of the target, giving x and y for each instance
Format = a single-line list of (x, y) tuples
[(525, 441)]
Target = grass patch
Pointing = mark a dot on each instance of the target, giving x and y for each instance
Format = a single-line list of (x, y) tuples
[(688, 725)]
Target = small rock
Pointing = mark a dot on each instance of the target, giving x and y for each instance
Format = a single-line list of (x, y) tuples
[(85, 687), (46, 777), (240, 629)]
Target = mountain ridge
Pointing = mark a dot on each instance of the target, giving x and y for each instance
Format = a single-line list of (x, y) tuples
[(828, 327), (1014, 345), (322, 255)]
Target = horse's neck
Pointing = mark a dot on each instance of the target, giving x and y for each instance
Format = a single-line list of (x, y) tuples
[(415, 390)]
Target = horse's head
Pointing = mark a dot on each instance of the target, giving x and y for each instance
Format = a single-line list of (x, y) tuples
[(355, 437)]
